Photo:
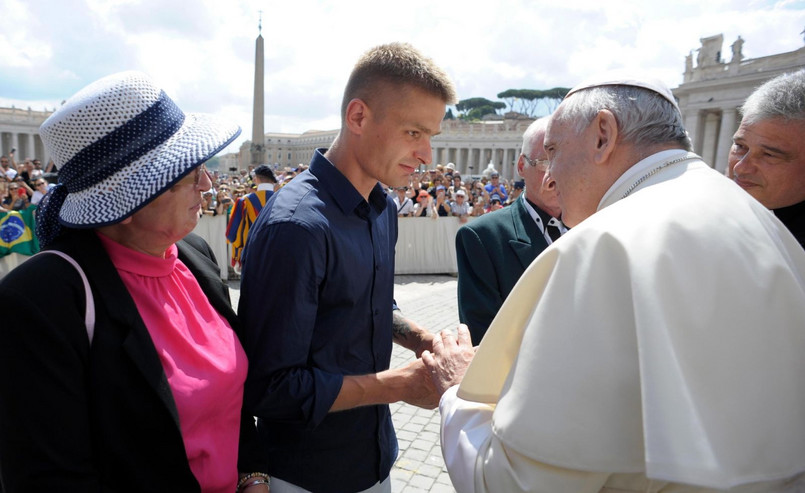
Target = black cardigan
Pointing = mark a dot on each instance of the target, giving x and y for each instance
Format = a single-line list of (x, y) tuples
[(100, 418)]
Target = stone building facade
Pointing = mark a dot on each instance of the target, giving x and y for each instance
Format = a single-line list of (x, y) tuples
[(712, 92), (19, 129)]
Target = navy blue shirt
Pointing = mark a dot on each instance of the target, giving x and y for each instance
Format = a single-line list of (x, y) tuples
[(316, 304)]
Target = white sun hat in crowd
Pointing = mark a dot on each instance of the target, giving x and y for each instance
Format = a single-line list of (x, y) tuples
[(119, 143)]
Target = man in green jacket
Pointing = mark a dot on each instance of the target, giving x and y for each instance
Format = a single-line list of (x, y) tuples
[(493, 251)]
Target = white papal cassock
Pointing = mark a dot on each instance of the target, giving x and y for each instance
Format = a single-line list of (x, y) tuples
[(658, 344)]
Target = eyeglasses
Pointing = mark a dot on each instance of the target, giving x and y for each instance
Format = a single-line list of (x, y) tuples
[(196, 174), (543, 163), (39, 183), (199, 171)]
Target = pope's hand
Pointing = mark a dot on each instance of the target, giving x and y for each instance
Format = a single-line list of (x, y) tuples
[(450, 358)]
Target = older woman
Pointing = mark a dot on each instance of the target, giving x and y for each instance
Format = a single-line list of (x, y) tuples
[(151, 398)]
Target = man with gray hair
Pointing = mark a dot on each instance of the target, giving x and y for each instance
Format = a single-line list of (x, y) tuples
[(767, 158), (657, 346), (493, 251)]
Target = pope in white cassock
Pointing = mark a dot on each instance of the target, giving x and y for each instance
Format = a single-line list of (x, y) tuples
[(659, 346)]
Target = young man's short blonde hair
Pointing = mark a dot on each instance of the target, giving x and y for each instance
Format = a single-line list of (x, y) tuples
[(396, 65)]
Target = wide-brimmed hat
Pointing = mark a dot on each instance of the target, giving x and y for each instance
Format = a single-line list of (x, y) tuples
[(119, 143)]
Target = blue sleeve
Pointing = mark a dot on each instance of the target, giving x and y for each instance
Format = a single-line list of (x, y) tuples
[(285, 265)]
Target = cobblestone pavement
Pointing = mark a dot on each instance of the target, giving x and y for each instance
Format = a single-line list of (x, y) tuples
[(430, 301)]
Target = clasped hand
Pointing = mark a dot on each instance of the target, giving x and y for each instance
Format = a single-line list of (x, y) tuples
[(450, 358)]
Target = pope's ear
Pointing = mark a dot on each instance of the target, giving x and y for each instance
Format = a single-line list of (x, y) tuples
[(606, 135), (355, 115)]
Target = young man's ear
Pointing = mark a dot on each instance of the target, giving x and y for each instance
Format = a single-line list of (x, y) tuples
[(355, 116)]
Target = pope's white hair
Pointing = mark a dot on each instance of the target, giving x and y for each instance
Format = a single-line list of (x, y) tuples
[(644, 117)]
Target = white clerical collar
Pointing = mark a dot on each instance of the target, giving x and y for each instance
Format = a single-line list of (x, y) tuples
[(628, 179), (265, 186)]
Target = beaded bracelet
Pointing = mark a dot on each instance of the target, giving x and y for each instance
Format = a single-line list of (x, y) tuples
[(253, 475)]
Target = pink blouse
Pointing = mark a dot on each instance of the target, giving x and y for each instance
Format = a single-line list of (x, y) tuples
[(200, 354)]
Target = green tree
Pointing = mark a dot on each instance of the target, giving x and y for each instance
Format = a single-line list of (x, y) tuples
[(476, 108), (527, 101), (551, 98)]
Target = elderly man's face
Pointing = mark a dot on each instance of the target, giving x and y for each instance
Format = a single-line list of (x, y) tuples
[(532, 168), (570, 166), (767, 159)]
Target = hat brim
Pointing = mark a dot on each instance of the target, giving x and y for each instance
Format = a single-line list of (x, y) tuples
[(112, 200)]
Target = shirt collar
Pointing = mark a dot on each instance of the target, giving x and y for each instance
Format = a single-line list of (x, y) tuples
[(790, 212), (344, 193), (642, 167), (135, 262)]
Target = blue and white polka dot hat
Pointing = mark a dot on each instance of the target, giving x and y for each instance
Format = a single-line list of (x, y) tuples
[(119, 143)]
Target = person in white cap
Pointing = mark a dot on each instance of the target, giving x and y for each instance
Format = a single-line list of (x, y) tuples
[(657, 347), (131, 377)]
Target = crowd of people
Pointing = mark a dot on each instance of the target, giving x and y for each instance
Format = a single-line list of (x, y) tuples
[(643, 331), (441, 191), (23, 185)]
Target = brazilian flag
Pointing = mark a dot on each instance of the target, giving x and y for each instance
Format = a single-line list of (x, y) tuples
[(17, 232)]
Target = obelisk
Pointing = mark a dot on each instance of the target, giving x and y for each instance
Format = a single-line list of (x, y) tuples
[(258, 147)]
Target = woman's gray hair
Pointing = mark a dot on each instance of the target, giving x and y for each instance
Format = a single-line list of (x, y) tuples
[(644, 117), (781, 97)]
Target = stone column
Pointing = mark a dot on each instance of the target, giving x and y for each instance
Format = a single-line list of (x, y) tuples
[(436, 155), (39, 150), (710, 138), (5, 143), (475, 160), (725, 133), (463, 159), (512, 155), (692, 125)]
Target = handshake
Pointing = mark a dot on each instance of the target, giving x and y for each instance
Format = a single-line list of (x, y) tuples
[(439, 368)]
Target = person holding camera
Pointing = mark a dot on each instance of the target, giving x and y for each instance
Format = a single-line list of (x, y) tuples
[(19, 194)]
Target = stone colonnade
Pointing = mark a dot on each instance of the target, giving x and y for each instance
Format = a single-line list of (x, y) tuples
[(473, 160), (473, 146), (711, 130), (28, 145), (19, 129)]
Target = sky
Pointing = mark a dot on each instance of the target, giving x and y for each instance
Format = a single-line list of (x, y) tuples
[(202, 52)]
